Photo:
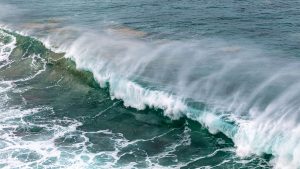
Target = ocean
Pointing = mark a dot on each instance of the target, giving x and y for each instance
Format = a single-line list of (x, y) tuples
[(149, 84)]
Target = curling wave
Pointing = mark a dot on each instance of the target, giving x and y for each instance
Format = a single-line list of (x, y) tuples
[(239, 90), (249, 94)]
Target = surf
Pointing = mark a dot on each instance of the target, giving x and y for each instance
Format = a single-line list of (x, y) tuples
[(243, 90), (134, 71)]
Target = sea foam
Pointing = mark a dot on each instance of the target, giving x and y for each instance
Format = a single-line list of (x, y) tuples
[(233, 83), (247, 97)]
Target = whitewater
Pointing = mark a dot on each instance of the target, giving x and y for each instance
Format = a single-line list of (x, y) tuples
[(242, 89), (237, 88)]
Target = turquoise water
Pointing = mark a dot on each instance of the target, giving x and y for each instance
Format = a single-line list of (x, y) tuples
[(140, 84)]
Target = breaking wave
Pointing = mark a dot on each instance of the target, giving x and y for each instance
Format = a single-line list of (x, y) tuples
[(247, 93)]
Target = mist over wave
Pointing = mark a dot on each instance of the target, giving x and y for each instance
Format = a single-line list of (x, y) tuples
[(241, 89), (237, 83)]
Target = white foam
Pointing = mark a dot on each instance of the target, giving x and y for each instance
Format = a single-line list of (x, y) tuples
[(115, 61), (243, 84), (6, 48)]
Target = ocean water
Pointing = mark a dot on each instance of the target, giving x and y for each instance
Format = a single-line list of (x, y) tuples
[(149, 84)]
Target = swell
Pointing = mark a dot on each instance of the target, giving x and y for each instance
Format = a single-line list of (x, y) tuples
[(253, 117)]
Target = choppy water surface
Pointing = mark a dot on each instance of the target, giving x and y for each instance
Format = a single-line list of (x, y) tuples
[(140, 84)]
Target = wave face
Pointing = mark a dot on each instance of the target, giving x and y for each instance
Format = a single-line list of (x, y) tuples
[(243, 87), (237, 84), (55, 116)]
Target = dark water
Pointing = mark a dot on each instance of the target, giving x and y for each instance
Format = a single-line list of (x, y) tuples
[(140, 84)]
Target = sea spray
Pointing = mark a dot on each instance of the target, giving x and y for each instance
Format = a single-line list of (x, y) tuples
[(232, 66), (107, 69), (226, 83), (133, 93)]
